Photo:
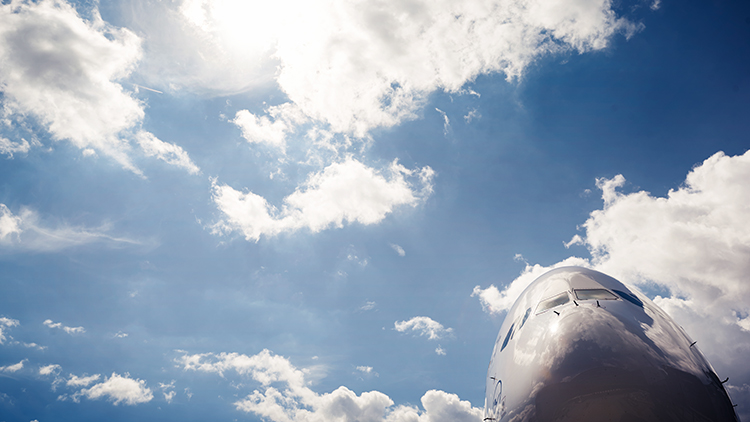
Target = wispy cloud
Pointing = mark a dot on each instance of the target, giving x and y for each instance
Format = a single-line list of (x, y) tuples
[(59, 325), (27, 232), (82, 381), (446, 122), (368, 306), (399, 250)]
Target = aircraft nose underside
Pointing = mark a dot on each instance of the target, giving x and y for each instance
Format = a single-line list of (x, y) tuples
[(596, 351)]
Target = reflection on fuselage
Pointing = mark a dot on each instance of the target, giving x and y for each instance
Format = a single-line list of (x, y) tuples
[(580, 346)]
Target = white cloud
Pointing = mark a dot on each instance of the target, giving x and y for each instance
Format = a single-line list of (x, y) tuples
[(27, 232), (424, 326), (9, 147), (29, 345), (9, 223), (399, 250), (293, 400), (352, 66), (83, 381), (50, 369), (169, 396), (69, 330), (169, 153), (343, 192), (13, 368), (365, 369), (5, 323), (446, 122), (272, 128), (439, 350), (120, 334), (693, 243), (63, 71), (118, 389), (473, 114), (369, 305), (168, 391)]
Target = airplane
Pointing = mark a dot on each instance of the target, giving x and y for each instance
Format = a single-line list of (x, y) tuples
[(580, 346)]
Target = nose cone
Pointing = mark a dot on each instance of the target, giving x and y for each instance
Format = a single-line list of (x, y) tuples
[(613, 361)]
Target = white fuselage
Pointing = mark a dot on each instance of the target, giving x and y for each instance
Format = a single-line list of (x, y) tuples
[(580, 346)]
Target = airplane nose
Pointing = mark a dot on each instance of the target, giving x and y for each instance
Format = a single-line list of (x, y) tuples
[(604, 364)]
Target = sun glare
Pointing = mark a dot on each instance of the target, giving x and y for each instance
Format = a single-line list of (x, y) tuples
[(246, 28)]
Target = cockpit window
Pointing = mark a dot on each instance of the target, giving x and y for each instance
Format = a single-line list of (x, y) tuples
[(630, 298), (552, 302), (507, 338), (525, 317), (599, 294)]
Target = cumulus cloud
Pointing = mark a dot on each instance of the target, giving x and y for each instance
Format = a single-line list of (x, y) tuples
[(272, 128), (424, 326), (5, 323), (117, 389), (693, 243), (26, 231), (13, 368), (354, 66), (343, 192), (439, 350), (69, 330), (50, 369), (63, 71), (284, 395)]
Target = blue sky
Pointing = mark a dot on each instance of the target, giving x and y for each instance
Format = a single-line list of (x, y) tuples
[(322, 210)]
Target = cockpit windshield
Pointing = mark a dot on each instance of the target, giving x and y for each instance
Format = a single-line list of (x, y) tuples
[(552, 302), (599, 294)]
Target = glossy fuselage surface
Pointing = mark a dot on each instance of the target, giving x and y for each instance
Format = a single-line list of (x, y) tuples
[(579, 345)]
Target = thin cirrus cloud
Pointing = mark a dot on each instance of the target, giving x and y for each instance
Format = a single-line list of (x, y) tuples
[(343, 192), (284, 394), (424, 326), (26, 231), (63, 71), (692, 244)]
